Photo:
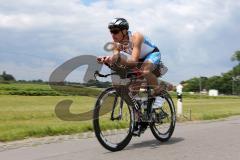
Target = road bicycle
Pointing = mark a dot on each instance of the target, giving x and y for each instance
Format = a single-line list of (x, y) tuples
[(119, 113)]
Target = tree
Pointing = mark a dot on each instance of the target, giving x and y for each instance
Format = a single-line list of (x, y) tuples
[(226, 83), (7, 77), (191, 85), (236, 57)]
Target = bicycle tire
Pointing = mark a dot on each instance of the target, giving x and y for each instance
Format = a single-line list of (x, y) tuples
[(97, 127), (163, 137)]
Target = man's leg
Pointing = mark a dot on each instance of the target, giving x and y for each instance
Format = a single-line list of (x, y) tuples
[(152, 81), (147, 68)]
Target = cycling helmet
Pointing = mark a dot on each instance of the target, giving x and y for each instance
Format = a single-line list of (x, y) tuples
[(120, 23)]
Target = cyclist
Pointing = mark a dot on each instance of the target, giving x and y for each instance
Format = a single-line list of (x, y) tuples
[(140, 48)]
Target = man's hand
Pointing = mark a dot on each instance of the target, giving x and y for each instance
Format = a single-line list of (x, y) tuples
[(101, 60), (105, 59)]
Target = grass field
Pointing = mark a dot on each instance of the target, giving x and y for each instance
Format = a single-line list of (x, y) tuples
[(206, 109), (27, 116), (28, 89), (34, 116), (24, 116)]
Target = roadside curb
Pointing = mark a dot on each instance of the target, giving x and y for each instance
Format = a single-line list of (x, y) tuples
[(29, 142)]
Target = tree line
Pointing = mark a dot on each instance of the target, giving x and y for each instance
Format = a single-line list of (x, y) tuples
[(226, 83)]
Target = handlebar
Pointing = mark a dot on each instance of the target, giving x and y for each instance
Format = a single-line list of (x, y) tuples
[(121, 70), (96, 73), (131, 75)]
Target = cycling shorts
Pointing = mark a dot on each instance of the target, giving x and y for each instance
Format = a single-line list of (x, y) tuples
[(154, 58)]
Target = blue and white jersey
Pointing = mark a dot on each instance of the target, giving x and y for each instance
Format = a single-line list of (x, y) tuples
[(146, 48)]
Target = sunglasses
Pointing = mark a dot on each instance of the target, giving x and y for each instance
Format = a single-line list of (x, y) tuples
[(114, 31)]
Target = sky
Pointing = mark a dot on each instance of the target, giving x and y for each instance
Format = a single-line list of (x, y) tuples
[(196, 38)]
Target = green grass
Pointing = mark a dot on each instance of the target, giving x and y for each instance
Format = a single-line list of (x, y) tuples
[(46, 90), (33, 116), (27, 116), (206, 109)]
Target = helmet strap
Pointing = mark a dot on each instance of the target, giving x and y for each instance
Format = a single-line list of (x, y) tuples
[(124, 35)]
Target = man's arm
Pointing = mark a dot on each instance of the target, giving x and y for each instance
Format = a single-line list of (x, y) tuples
[(137, 43)]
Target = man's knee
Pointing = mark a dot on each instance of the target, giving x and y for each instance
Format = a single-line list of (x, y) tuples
[(147, 72), (147, 69)]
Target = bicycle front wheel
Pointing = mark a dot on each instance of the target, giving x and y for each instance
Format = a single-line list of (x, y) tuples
[(113, 120)]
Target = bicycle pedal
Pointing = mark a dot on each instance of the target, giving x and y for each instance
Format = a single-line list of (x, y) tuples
[(136, 133)]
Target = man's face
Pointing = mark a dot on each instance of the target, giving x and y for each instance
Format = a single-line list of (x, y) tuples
[(116, 34)]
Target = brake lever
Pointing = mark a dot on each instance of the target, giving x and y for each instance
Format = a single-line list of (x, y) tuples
[(99, 74)]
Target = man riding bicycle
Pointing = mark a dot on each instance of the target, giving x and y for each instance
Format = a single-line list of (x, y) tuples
[(140, 48)]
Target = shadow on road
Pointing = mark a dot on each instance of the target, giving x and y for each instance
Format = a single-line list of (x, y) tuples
[(154, 143), (151, 144)]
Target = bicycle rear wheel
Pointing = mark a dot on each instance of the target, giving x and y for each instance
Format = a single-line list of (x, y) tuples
[(165, 119), (113, 120)]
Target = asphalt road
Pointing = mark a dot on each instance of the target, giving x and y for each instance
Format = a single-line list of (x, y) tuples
[(216, 140)]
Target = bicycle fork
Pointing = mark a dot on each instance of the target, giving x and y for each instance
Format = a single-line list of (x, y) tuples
[(119, 117)]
